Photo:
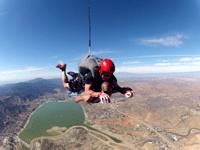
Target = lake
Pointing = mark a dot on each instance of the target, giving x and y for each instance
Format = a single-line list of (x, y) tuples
[(61, 114)]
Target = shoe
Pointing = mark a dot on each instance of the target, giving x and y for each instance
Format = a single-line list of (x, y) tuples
[(61, 66)]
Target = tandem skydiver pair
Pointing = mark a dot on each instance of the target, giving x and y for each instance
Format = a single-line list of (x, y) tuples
[(95, 79)]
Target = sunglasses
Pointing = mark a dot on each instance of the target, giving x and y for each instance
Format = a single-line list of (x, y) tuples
[(107, 74)]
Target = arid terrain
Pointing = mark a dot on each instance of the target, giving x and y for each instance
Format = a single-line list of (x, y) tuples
[(164, 113), (168, 105)]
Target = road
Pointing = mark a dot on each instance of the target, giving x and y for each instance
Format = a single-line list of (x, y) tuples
[(107, 140), (173, 146)]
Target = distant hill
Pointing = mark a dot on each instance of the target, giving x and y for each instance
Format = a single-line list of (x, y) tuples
[(15, 101), (152, 101), (35, 80), (31, 89)]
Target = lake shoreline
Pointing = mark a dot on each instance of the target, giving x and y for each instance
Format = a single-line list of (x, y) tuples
[(25, 143), (28, 120)]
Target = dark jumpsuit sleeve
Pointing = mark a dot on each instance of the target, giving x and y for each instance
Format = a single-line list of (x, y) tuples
[(88, 78), (116, 89), (114, 78)]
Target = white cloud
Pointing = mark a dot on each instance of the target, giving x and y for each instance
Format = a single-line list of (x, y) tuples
[(176, 63), (166, 64), (10, 72), (189, 59), (166, 41), (152, 69), (196, 58), (165, 60), (60, 62), (28, 69), (162, 64), (103, 52), (133, 62), (95, 53), (156, 56), (185, 59), (196, 63), (33, 69)]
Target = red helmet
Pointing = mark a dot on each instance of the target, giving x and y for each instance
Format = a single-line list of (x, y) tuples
[(107, 66)]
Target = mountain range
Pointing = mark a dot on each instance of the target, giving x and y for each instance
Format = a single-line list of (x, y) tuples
[(18, 100)]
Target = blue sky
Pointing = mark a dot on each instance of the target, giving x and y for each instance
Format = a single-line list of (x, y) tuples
[(140, 36)]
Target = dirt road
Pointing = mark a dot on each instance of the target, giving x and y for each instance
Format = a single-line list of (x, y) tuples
[(173, 146)]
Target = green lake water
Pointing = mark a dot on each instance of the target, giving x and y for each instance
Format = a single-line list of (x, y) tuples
[(61, 114)]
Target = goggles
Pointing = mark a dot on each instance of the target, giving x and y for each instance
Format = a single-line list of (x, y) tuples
[(107, 74)]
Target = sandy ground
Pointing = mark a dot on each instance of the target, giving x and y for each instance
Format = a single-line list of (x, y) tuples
[(57, 129)]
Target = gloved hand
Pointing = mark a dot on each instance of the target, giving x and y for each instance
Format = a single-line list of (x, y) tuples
[(129, 94), (105, 99)]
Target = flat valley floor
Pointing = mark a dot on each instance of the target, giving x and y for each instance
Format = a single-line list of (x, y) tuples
[(163, 114)]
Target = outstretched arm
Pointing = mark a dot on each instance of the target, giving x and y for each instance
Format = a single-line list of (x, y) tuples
[(127, 91), (122, 90)]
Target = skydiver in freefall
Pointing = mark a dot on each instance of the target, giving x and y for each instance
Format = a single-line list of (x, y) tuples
[(98, 83)]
